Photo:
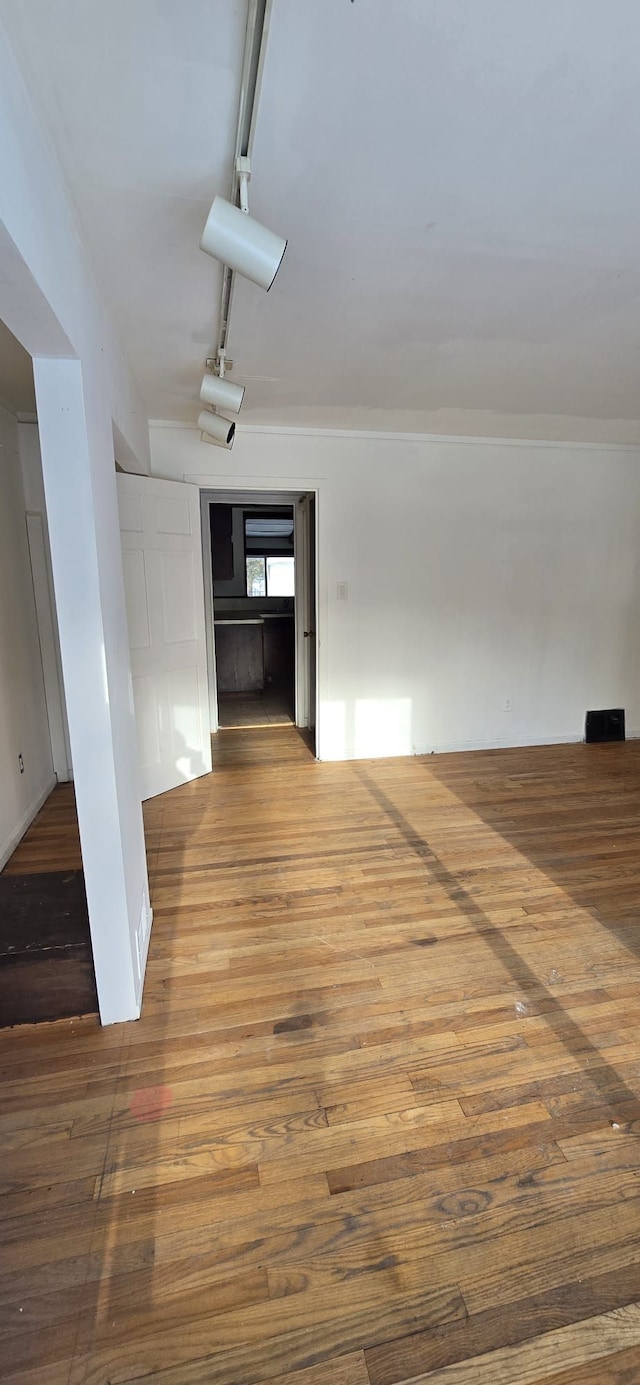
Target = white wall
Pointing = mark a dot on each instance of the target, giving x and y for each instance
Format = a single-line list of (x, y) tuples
[(24, 727), (480, 575), (85, 398), (40, 555)]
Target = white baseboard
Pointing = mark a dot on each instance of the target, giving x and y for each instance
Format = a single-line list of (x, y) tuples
[(451, 747), (142, 940), (501, 743), (10, 843), (145, 954)]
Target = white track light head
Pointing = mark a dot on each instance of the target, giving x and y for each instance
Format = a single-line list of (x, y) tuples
[(222, 394), (237, 240), (219, 429)]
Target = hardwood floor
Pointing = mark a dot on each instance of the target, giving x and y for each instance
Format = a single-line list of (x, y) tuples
[(380, 1120), (52, 842), (46, 963), (272, 707)]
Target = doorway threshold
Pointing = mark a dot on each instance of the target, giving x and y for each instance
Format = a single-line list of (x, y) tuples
[(270, 707)]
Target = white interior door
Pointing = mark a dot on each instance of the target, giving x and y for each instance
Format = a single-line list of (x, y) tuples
[(162, 562)]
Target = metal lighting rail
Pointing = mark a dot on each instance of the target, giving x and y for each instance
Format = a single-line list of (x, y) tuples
[(255, 45)]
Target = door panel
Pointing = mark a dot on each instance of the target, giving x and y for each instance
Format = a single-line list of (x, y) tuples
[(135, 590), (162, 563), (147, 721), (179, 606), (172, 516)]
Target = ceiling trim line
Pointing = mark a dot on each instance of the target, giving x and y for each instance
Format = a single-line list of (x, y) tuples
[(373, 435)]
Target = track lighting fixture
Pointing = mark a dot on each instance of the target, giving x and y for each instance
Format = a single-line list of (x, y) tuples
[(237, 240), (218, 429), (221, 393)]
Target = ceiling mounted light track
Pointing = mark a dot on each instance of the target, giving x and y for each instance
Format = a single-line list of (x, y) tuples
[(235, 238), (217, 428)]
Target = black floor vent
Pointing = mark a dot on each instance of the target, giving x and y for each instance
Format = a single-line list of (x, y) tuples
[(605, 726)]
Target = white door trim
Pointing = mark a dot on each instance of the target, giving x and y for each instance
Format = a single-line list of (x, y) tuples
[(49, 645), (207, 573), (251, 495), (301, 608)]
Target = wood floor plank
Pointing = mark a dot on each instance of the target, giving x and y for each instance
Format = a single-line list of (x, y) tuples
[(301, 1330), (620, 1368), (56, 1374), (379, 1118), (519, 1126), (569, 1352), (402, 1359), (341, 1370), (295, 1351)]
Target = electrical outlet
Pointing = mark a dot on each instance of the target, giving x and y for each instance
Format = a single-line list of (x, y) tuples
[(21, 764), (507, 704), (342, 591)]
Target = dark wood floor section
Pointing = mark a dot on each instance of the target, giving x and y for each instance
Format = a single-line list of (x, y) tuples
[(380, 1120), (46, 964)]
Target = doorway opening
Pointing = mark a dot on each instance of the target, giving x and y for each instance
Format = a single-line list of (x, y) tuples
[(260, 597), (46, 958)]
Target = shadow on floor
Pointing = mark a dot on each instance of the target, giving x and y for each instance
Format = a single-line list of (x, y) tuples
[(537, 997)]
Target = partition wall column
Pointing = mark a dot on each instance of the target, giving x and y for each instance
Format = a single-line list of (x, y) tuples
[(79, 481)]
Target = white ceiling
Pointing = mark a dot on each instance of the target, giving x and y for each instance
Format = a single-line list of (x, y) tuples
[(458, 181)]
